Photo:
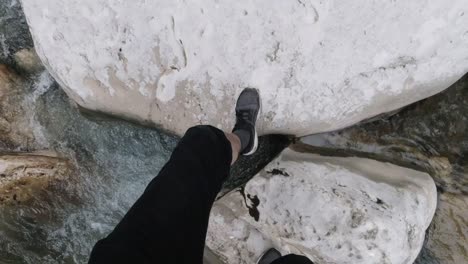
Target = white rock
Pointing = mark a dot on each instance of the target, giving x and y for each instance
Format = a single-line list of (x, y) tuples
[(333, 210), (320, 65)]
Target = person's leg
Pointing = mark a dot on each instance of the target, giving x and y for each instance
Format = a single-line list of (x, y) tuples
[(235, 146), (168, 223)]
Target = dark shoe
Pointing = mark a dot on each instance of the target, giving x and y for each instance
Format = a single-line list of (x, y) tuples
[(269, 256), (247, 108)]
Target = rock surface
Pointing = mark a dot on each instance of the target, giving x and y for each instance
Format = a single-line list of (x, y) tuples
[(334, 210), (14, 32), (25, 175), (447, 237), (27, 60), (430, 135), (14, 128), (320, 65)]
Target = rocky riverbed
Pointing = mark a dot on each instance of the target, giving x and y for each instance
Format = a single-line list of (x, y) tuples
[(67, 176)]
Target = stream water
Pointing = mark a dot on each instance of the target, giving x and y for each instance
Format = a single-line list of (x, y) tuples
[(114, 161)]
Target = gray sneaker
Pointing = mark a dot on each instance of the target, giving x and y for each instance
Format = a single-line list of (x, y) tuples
[(269, 256), (247, 109)]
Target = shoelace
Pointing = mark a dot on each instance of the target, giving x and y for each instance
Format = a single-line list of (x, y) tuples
[(245, 116)]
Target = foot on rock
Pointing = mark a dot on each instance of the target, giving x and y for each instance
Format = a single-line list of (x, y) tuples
[(247, 108)]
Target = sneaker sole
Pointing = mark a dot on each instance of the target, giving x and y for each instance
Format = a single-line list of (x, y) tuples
[(266, 252), (255, 147)]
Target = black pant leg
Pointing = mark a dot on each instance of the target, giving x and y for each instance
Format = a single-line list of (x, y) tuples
[(168, 223), (293, 259)]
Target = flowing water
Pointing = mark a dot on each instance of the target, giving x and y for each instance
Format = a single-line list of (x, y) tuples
[(114, 161)]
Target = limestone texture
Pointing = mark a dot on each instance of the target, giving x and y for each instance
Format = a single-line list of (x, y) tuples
[(23, 176), (319, 65), (333, 210), (430, 135)]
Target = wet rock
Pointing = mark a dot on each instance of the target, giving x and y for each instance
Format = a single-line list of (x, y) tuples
[(15, 131), (5, 127), (23, 176), (447, 237), (332, 65), (27, 60), (245, 168), (8, 81), (14, 31), (334, 210)]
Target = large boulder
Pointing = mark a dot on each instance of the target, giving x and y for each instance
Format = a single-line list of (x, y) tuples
[(333, 210), (320, 65), (430, 135)]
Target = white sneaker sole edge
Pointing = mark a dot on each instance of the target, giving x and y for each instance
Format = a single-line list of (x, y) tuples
[(254, 149)]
